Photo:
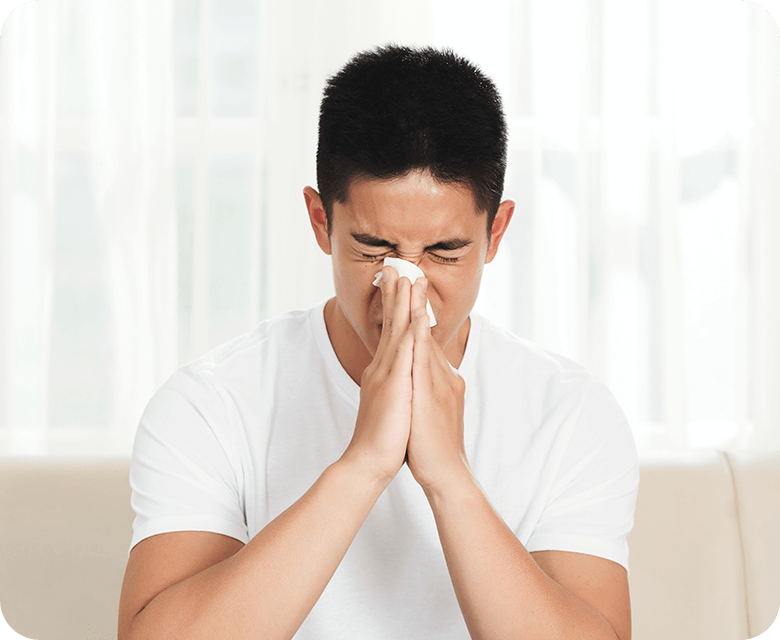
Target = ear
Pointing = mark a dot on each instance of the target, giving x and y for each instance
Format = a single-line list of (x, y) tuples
[(317, 218), (505, 211)]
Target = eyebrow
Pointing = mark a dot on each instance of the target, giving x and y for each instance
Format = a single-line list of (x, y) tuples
[(450, 244)]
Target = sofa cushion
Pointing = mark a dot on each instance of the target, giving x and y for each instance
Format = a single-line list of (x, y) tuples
[(687, 579), (65, 534), (66, 526), (757, 483)]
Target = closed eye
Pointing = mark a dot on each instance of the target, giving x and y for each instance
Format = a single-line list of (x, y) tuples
[(375, 258), (443, 259)]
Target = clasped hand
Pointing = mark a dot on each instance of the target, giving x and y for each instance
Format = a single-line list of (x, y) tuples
[(411, 401)]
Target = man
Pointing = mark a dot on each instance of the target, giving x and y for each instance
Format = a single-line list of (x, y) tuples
[(348, 471)]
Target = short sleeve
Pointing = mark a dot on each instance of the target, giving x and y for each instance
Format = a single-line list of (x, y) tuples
[(183, 471), (591, 504)]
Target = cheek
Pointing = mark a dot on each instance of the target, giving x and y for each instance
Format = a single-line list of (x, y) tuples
[(354, 286), (455, 297), (458, 287)]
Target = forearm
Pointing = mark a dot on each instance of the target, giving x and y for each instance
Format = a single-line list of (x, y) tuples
[(501, 590), (269, 587)]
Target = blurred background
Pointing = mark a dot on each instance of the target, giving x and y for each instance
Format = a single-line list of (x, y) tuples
[(153, 155)]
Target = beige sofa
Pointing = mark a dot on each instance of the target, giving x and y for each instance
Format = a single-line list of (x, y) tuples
[(705, 558)]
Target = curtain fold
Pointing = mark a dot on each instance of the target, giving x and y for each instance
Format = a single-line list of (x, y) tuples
[(132, 159), (760, 257), (27, 176), (88, 218), (153, 154)]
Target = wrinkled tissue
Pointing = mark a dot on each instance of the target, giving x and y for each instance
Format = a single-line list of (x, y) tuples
[(411, 271)]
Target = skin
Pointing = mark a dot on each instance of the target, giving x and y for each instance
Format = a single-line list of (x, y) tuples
[(503, 590), (410, 213), (194, 584), (439, 228)]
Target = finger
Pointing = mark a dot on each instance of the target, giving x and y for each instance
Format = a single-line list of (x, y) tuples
[(389, 286), (402, 306), (391, 297), (403, 355), (437, 356), (398, 325), (419, 299), (434, 352), (421, 371)]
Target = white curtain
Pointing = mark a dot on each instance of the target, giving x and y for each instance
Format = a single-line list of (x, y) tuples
[(88, 215), (152, 157)]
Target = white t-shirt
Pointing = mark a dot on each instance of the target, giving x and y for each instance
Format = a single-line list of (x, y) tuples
[(234, 438)]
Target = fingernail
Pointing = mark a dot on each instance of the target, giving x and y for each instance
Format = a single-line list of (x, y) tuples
[(377, 279)]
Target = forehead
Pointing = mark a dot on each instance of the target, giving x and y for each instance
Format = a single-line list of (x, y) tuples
[(415, 205)]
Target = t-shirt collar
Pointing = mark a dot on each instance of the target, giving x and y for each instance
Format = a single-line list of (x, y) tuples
[(348, 386)]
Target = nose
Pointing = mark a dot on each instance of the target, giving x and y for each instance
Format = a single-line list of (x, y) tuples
[(405, 268), (415, 261)]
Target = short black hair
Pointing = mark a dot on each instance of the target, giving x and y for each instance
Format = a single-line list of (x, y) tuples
[(395, 109)]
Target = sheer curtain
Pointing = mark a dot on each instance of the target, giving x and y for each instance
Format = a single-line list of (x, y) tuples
[(88, 221), (152, 156)]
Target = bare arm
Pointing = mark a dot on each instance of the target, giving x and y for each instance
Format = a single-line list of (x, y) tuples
[(503, 592), (199, 585), (506, 592), (271, 584)]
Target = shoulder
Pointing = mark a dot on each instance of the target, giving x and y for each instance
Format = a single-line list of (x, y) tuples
[(246, 356), (293, 327), (214, 382), (552, 391), (503, 354)]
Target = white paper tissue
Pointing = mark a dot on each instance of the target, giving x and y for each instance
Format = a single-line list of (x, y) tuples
[(411, 271)]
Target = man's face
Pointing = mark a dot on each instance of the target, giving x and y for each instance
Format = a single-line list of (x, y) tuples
[(431, 224)]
